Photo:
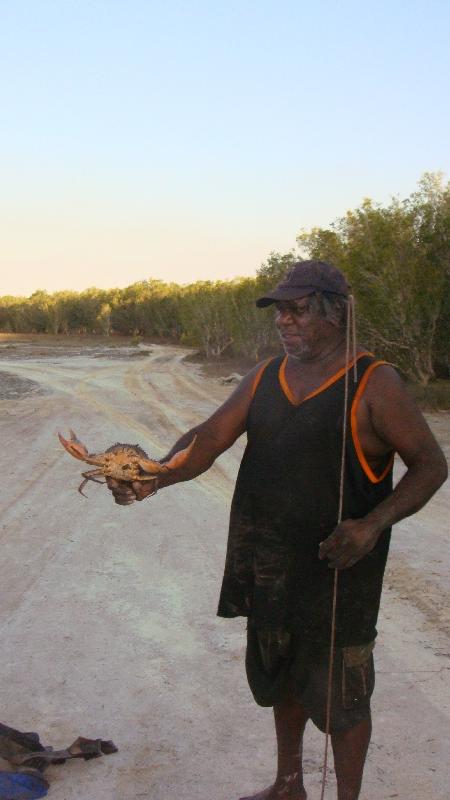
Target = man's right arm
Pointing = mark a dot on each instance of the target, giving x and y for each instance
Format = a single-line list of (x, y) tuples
[(213, 437)]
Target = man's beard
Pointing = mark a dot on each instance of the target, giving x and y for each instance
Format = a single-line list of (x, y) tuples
[(301, 350), (307, 351)]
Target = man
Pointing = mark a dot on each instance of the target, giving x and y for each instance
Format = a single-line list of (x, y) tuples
[(284, 542)]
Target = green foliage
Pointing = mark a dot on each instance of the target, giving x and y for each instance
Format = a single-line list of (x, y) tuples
[(206, 316), (276, 266), (396, 258), (397, 261)]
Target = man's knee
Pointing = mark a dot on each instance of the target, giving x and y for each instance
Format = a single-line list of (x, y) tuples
[(359, 732)]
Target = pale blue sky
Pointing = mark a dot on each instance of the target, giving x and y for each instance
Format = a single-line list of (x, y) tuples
[(185, 140)]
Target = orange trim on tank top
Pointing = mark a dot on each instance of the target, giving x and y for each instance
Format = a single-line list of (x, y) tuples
[(322, 387), (354, 426), (259, 375)]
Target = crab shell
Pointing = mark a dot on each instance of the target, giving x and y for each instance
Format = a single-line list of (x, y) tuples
[(125, 462)]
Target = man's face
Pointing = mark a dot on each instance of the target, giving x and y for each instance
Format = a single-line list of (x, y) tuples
[(303, 332)]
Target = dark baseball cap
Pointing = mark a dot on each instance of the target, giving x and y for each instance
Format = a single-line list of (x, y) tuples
[(306, 277)]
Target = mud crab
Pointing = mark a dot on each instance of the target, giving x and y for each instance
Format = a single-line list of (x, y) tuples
[(125, 462)]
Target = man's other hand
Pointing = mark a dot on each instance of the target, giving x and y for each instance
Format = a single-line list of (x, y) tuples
[(350, 541)]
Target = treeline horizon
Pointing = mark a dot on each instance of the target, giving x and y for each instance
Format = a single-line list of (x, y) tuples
[(396, 259)]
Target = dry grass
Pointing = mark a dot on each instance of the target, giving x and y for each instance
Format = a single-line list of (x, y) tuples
[(433, 397)]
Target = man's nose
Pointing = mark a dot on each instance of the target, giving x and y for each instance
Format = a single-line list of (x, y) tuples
[(284, 315)]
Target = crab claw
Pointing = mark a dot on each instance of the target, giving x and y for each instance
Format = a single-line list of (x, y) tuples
[(74, 446), (181, 457), (177, 460)]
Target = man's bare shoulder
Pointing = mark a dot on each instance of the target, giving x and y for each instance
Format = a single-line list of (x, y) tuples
[(387, 390), (385, 376), (395, 416), (388, 397)]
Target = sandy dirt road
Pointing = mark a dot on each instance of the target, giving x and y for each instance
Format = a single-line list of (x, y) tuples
[(107, 614)]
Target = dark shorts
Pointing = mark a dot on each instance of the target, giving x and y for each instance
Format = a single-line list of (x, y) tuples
[(278, 664)]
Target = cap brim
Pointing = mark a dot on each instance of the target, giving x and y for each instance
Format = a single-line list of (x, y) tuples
[(288, 293)]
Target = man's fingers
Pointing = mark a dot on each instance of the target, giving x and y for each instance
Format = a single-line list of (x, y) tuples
[(348, 543), (343, 563), (122, 491), (329, 545), (126, 493), (117, 486), (325, 546), (143, 489), (339, 551), (340, 560), (346, 556)]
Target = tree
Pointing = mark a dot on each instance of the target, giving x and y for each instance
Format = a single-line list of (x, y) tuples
[(104, 318), (206, 316), (276, 266), (396, 259)]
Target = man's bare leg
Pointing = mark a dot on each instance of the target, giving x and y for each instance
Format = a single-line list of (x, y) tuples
[(350, 750), (290, 722)]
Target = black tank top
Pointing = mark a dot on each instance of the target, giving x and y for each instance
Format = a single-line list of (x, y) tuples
[(286, 502)]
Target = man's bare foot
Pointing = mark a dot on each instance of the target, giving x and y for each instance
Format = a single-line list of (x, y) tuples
[(283, 789)]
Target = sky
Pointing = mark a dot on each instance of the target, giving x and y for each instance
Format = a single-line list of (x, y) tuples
[(187, 140)]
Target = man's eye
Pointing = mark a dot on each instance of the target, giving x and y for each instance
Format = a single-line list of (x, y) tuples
[(297, 310)]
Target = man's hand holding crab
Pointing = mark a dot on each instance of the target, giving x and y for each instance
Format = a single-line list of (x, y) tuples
[(127, 470), (125, 493)]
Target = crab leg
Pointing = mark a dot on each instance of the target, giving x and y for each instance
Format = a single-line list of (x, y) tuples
[(89, 476)]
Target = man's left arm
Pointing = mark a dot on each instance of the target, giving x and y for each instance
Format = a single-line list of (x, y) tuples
[(395, 421)]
